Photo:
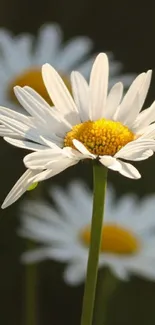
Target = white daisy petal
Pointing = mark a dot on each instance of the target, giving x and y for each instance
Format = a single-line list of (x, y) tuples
[(25, 144), (58, 167), (126, 80), (145, 87), (5, 132), (120, 272), (148, 132), (79, 146), (48, 142), (74, 273), (59, 93), (73, 52), (145, 118), (113, 100), (127, 102), (38, 98), (134, 150), (41, 113), (22, 129), (19, 188), (80, 93), (8, 48), (37, 255), (39, 159), (62, 253), (85, 67), (135, 108), (110, 162), (48, 43), (128, 170), (26, 102), (15, 115), (123, 168), (23, 44), (98, 86)]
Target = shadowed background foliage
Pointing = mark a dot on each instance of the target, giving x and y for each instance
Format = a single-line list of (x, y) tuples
[(128, 29)]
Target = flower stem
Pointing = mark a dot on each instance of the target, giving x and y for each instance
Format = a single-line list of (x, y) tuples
[(30, 294), (30, 315), (100, 177), (106, 285)]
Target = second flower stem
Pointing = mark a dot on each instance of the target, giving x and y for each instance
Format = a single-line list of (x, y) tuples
[(31, 291), (100, 177)]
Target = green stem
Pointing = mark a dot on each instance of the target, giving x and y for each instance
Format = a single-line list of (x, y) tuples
[(106, 286), (100, 177), (30, 294), (30, 315)]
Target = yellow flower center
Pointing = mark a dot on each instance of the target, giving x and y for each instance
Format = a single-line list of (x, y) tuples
[(115, 240), (102, 137), (33, 79)]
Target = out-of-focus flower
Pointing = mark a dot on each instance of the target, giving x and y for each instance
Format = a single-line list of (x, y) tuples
[(127, 245), (93, 125), (22, 56)]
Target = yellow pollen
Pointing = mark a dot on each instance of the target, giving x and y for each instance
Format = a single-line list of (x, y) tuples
[(102, 137), (115, 240), (33, 79)]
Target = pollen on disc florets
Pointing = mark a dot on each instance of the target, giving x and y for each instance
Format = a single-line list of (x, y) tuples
[(102, 137)]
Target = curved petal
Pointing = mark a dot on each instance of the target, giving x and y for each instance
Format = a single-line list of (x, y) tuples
[(57, 167), (22, 129), (19, 188), (6, 132), (80, 147), (42, 113), (25, 144), (39, 159), (137, 150), (123, 168), (59, 93), (128, 170), (144, 118), (15, 115), (110, 162)]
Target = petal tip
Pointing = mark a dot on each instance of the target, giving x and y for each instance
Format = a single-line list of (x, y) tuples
[(4, 205)]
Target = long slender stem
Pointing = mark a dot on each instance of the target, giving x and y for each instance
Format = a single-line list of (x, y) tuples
[(106, 285), (30, 294), (100, 177), (30, 312)]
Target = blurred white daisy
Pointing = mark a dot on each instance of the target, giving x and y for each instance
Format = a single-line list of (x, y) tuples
[(127, 245), (22, 56), (93, 125)]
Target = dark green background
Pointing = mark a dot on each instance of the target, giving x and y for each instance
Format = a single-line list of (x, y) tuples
[(128, 29)]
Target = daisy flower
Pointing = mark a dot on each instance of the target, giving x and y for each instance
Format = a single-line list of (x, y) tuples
[(22, 56), (93, 124), (127, 245)]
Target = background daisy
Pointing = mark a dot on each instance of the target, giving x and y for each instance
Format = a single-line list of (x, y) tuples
[(22, 56), (64, 235)]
